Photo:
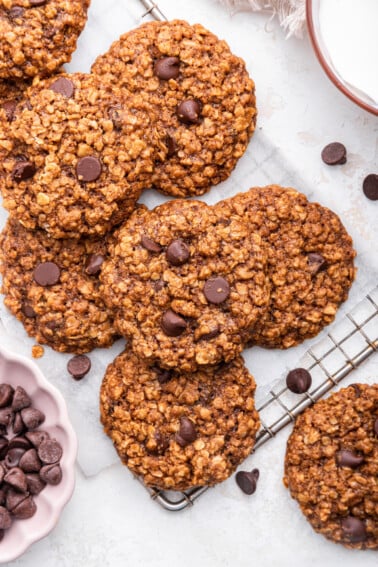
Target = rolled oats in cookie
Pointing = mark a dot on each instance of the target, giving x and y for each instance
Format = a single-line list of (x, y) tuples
[(310, 262), (73, 169), (331, 466), (202, 93), (183, 283), (48, 287), (36, 38), (181, 431)]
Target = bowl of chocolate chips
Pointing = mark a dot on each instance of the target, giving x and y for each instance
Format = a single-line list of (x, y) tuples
[(38, 448)]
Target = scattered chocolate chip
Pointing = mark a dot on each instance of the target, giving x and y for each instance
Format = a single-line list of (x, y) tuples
[(88, 169), (20, 399), (3, 447), (16, 479), (6, 416), (23, 170), (28, 310), (172, 324), (189, 111), (187, 432), (316, 262), (16, 12), (35, 483), (93, 264), (6, 395), (9, 107), (63, 86), (26, 509), (115, 115), (298, 380), (334, 154), (46, 274), (50, 451), (19, 443), (36, 437), (354, 529), (370, 186), (51, 474), (346, 458), (32, 417), (247, 481), (167, 68), (216, 290), (172, 146), (5, 519), (78, 366), (150, 244), (13, 457), (376, 426), (30, 462), (177, 253)]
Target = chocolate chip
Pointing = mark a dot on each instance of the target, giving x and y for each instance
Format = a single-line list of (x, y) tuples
[(298, 380), (172, 146), (9, 108), (6, 395), (370, 186), (376, 426), (63, 86), (3, 472), (334, 154), (115, 116), (16, 12), (167, 68), (23, 170), (20, 399), (28, 310), (247, 481), (172, 324), (187, 432), (36, 437), (16, 479), (46, 274), (32, 417), (162, 443), (14, 498), (78, 366), (5, 519), (13, 457), (189, 111), (88, 169), (3, 447), (353, 529), (162, 374), (50, 451), (38, 2), (93, 264), (35, 483), (150, 244), (211, 334), (346, 458), (51, 474), (26, 509), (177, 253), (216, 290), (316, 262), (30, 462), (6, 416), (19, 442)]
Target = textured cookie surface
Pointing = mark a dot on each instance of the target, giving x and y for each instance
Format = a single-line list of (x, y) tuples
[(77, 158), (184, 282), (331, 466), (174, 64), (37, 37), (178, 431), (310, 262), (52, 287)]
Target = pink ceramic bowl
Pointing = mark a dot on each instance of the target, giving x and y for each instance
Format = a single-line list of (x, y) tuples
[(19, 371)]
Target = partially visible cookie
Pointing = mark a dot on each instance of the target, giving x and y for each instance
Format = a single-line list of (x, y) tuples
[(52, 287), (331, 466), (178, 431), (310, 262), (38, 36), (184, 282), (201, 92), (79, 156)]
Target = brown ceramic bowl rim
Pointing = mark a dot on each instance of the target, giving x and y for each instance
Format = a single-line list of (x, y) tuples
[(323, 62)]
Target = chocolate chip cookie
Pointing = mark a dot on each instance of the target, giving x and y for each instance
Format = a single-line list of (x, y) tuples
[(52, 287), (201, 92), (178, 431), (331, 466), (183, 282), (79, 157), (310, 262), (38, 36)]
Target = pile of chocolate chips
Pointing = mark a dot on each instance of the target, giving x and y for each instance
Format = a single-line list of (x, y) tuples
[(29, 459)]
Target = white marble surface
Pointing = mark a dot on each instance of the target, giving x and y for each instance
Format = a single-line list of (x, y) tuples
[(110, 520)]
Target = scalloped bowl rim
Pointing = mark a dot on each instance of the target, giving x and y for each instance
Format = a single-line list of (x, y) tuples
[(65, 489)]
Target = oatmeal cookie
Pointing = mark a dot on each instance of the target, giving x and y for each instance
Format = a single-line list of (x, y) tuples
[(37, 37), (79, 157), (331, 466), (178, 431), (201, 92), (183, 284), (310, 262), (52, 287)]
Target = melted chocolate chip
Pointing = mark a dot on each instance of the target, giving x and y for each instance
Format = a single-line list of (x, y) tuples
[(347, 458), (23, 170), (46, 274), (216, 290), (150, 244), (93, 264), (28, 310), (354, 529), (298, 380), (88, 169), (63, 86), (316, 262), (189, 112), (172, 324), (167, 68), (9, 108), (172, 146), (177, 253), (115, 115), (187, 432)]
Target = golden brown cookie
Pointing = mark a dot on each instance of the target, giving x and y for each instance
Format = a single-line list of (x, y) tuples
[(331, 466), (178, 431)]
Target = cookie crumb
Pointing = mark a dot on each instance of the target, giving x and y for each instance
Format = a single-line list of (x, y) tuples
[(38, 351)]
